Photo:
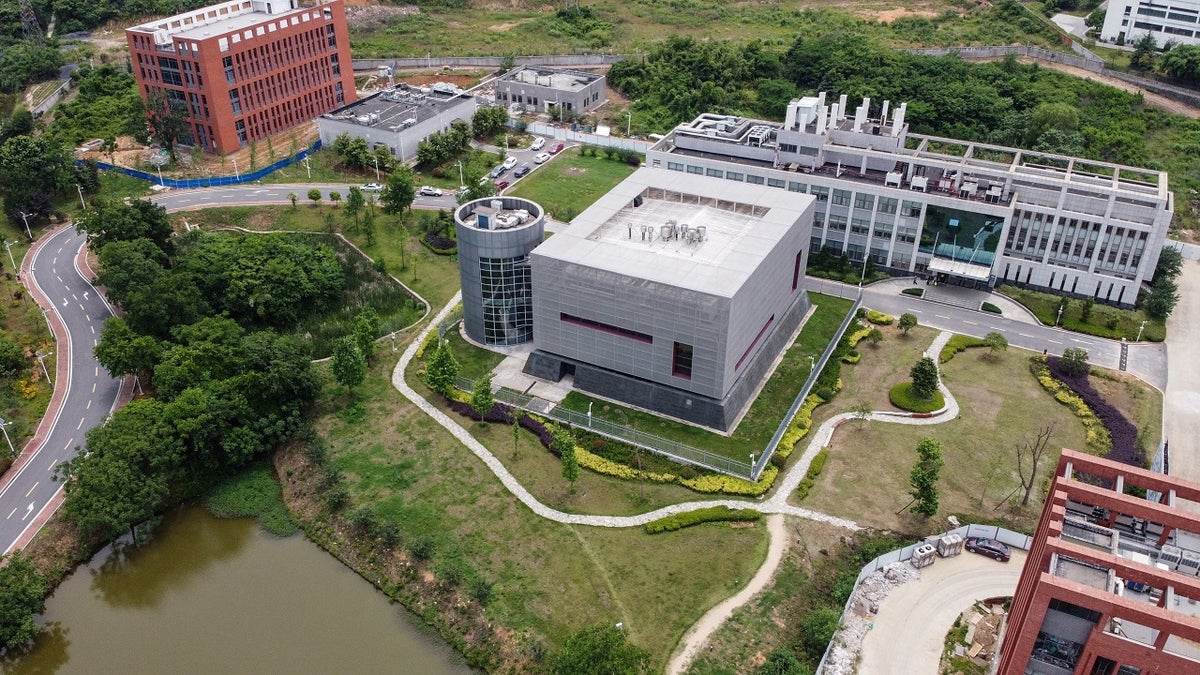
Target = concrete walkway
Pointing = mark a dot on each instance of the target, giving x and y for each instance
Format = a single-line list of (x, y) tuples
[(1181, 404)]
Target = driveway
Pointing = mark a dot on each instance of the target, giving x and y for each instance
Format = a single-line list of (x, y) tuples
[(1181, 405), (909, 632)]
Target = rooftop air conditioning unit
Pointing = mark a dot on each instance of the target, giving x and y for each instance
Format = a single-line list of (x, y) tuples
[(1189, 563), (1169, 555)]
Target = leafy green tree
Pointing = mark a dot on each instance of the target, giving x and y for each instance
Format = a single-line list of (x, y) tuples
[(22, 597), (907, 322), (996, 342), (355, 203), (1145, 52), (875, 337), (368, 224), (315, 195), (33, 170), (12, 355), (564, 445), (601, 649), (335, 198), (126, 267), (861, 412), (123, 352), (818, 628), (517, 414), (349, 365), (23, 63), (166, 120), (783, 662), (482, 399), (366, 330), (489, 121), (1170, 262), (924, 376), (1182, 63), (442, 369), (1074, 361), (924, 477), (111, 220), (292, 197), (399, 192), (1161, 301)]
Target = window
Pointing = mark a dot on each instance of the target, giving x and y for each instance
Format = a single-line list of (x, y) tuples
[(695, 169), (507, 293), (841, 198), (715, 173), (796, 270), (761, 332), (775, 182), (613, 330), (864, 201), (821, 193), (675, 166), (911, 209), (860, 225), (787, 147), (235, 102), (170, 71), (733, 175), (757, 180), (681, 361), (793, 186), (837, 222)]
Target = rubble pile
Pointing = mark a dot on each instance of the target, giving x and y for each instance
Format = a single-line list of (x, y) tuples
[(864, 604)]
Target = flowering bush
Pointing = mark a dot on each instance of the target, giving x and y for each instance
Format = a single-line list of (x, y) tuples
[(1122, 434), (879, 318), (1099, 439), (717, 482), (713, 514)]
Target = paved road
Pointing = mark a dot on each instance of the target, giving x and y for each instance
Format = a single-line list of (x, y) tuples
[(77, 312), (910, 629), (1181, 405)]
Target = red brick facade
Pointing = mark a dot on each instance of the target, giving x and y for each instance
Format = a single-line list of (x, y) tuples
[(1131, 631), (242, 73)]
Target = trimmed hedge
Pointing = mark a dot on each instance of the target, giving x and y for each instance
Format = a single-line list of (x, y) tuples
[(800, 426), (918, 292), (989, 307), (1123, 435), (714, 514), (439, 244), (957, 344), (901, 397), (879, 318), (858, 336), (1099, 440), (810, 476), (851, 357)]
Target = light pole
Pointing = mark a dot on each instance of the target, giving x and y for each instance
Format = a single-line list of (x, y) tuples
[(160, 180), (1058, 321), (590, 414), (812, 363), (393, 340), (235, 169), (25, 219), (308, 167), (862, 277), (629, 123), (1140, 329), (461, 183), (81, 202), (41, 357), (4, 427), (8, 245), (376, 168)]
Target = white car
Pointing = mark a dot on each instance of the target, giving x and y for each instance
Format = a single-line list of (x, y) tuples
[(429, 191), (509, 163), (372, 187), (538, 144), (541, 157)]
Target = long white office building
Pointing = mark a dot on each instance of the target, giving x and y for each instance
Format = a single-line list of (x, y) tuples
[(1130, 20), (969, 213)]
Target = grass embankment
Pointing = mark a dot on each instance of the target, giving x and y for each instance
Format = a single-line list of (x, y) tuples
[(253, 493), (624, 27), (866, 474), (1102, 321), (569, 183), (764, 415), (548, 579)]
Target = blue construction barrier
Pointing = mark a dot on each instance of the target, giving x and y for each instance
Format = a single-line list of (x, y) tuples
[(213, 181)]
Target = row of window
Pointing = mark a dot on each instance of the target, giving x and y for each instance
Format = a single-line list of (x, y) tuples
[(261, 30), (277, 55), (282, 87), (289, 113)]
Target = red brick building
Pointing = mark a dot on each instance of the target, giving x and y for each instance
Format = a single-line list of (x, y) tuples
[(246, 69), (1110, 585)]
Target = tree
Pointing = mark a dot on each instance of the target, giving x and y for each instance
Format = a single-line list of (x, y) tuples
[(398, 192), (481, 398), (335, 198), (166, 118), (123, 352), (861, 411), (924, 477), (875, 337), (1029, 456), (12, 355), (564, 445), (517, 414), (601, 649), (111, 221), (127, 267), (441, 369), (1145, 51), (1163, 296), (315, 195), (22, 596), (907, 322), (818, 628), (1170, 261), (924, 376), (783, 662), (349, 365), (292, 198), (1074, 361), (366, 330), (355, 203), (996, 342), (1182, 63), (489, 121)]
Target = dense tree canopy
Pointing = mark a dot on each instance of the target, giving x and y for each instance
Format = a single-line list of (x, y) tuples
[(22, 596)]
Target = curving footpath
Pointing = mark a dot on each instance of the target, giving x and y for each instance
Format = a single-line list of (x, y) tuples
[(776, 505)]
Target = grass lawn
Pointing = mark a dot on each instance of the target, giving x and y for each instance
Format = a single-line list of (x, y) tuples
[(550, 579), (1141, 403), (325, 168), (763, 418), (866, 475), (880, 367), (569, 183), (24, 396), (1125, 323)]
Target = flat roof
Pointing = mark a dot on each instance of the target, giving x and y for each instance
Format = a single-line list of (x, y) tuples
[(730, 229), (219, 19), (555, 78), (392, 109)]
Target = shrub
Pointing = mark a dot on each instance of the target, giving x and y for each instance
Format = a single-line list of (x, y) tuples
[(859, 335), (917, 292), (957, 344), (810, 476), (851, 357), (439, 244), (1122, 434), (989, 307), (879, 318), (715, 514), (1099, 439), (719, 482), (799, 427), (902, 397)]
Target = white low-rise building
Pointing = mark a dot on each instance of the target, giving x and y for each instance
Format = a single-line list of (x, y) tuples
[(1129, 20)]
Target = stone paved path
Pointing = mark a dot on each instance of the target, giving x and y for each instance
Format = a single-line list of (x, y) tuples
[(776, 504)]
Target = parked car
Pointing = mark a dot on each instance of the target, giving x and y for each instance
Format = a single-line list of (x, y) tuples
[(556, 148), (989, 547), (501, 184), (541, 157), (521, 171), (372, 187), (538, 144), (429, 191), (497, 171), (509, 163)]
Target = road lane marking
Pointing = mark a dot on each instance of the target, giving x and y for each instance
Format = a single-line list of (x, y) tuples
[(97, 373), (59, 279), (89, 405), (93, 387), (1055, 342), (80, 425), (55, 261), (68, 445), (75, 297), (1077, 340), (65, 303), (941, 317), (95, 342), (33, 488), (28, 511), (970, 323), (1025, 335), (11, 514), (93, 329)]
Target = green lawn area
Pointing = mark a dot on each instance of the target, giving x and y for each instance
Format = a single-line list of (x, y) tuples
[(765, 414), (325, 168), (866, 475), (24, 396), (1104, 321), (569, 183), (550, 579)]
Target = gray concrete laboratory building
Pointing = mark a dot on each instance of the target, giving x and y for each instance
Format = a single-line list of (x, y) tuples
[(673, 292), (495, 236)]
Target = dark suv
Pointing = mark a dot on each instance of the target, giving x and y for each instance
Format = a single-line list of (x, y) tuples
[(989, 547)]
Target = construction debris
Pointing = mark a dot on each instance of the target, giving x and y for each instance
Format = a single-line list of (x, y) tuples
[(864, 605)]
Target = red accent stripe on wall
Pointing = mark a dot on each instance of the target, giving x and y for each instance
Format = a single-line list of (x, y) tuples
[(761, 332), (603, 327)]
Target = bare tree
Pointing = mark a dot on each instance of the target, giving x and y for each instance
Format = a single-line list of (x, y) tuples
[(1029, 455)]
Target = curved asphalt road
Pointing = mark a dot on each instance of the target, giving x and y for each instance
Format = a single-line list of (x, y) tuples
[(84, 393)]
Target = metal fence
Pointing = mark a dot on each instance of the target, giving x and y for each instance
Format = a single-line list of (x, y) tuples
[(1013, 539), (46, 104), (813, 374), (212, 181), (566, 60), (570, 136)]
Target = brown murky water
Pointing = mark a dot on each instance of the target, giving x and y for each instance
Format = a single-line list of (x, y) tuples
[(222, 596)]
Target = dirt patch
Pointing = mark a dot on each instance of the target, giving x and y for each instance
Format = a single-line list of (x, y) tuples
[(505, 27), (982, 623), (890, 15), (364, 17)]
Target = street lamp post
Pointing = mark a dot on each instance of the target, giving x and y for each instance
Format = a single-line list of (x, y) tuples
[(1140, 329), (393, 340), (8, 245), (629, 123), (590, 414), (81, 202), (1058, 321), (25, 219), (4, 427), (376, 168), (461, 183), (812, 363), (41, 357), (235, 169), (862, 277), (308, 167)]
